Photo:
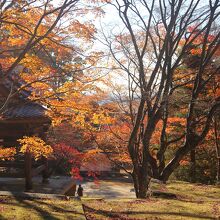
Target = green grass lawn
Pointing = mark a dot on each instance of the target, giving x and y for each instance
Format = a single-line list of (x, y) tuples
[(193, 201)]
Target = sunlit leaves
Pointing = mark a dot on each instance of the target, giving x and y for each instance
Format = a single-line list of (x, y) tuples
[(80, 30), (7, 153), (36, 146)]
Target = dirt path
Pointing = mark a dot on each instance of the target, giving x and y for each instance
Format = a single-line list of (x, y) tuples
[(116, 188)]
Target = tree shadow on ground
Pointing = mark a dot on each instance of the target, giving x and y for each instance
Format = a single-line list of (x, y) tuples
[(41, 211), (2, 218), (42, 208), (91, 212), (59, 209)]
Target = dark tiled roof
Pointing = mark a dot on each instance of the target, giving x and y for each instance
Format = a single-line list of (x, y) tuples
[(24, 111)]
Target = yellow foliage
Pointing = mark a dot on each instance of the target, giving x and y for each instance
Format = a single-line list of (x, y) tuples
[(7, 153), (101, 118), (36, 146)]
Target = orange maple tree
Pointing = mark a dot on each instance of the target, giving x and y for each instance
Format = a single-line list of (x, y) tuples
[(43, 51), (169, 68)]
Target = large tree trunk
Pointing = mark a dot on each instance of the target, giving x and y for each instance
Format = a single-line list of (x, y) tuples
[(141, 183)]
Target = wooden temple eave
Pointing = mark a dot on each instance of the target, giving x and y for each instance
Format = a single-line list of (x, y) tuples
[(22, 127)]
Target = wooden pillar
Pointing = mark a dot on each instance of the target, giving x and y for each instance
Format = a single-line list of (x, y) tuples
[(28, 171)]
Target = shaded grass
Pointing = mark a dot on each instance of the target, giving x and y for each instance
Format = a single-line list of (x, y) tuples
[(194, 202), (16, 208)]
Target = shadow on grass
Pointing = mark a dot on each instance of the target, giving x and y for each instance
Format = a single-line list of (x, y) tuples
[(45, 210), (58, 209), (35, 208), (2, 218), (42, 212), (89, 212)]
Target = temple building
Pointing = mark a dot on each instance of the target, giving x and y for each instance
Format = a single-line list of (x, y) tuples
[(20, 117)]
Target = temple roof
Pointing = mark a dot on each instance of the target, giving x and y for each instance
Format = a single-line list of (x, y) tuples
[(24, 111), (22, 108)]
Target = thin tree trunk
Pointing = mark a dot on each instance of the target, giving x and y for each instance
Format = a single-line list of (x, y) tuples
[(28, 171), (217, 145), (135, 181), (218, 167), (192, 171), (174, 163), (45, 173)]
